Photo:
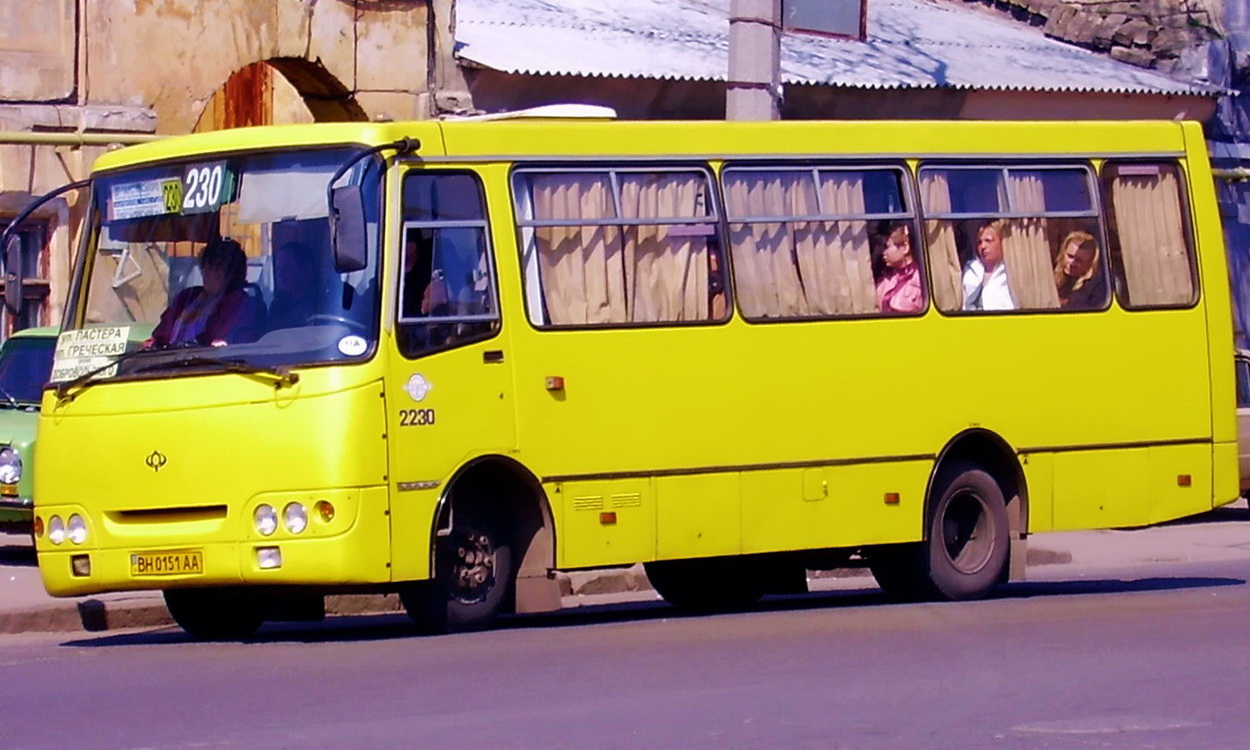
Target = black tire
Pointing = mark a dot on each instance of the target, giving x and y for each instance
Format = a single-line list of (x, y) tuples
[(965, 551), (707, 584), (217, 614), (472, 576)]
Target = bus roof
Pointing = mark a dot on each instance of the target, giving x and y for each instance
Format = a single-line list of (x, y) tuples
[(505, 139)]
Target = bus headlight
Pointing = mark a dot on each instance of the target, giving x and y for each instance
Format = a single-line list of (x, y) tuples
[(265, 519), (56, 530), (10, 466), (295, 517), (76, 529)]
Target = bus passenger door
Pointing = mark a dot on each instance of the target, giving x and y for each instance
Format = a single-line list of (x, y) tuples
[(449, 389)]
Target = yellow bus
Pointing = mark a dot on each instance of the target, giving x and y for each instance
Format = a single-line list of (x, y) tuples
[(450, 359)]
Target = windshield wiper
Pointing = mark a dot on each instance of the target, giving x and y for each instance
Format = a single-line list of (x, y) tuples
[(281, 376), (9, 401), (63, 389)]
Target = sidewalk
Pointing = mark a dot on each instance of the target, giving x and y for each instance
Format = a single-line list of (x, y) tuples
[(1221, 535)]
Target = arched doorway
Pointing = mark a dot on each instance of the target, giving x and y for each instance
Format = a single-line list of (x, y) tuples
[(279, 91)]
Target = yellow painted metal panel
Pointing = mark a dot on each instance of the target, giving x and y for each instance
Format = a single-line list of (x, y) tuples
[(1102, 489), (776, 517), (697, 516), (1180, 481), (603, 522)]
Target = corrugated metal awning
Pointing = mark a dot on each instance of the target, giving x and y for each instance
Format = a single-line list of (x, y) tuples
[(911, 44)]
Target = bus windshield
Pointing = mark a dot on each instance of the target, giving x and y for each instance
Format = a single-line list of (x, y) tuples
[(227, 255)]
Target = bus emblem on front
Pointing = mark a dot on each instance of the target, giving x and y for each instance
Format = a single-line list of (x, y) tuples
[(417, 387), (156, 460)]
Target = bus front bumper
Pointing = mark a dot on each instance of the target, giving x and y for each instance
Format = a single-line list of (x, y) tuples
[(144, 560)]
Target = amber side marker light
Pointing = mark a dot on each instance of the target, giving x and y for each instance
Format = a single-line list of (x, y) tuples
[(891, 498), (555, 383), (38, 526), (1184, 480), (608, 518), (325, 510)]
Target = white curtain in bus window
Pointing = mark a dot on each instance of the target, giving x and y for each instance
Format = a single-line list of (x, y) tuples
[(1030, 265), (834, 257), (792, 259), (650, 264), (766, 279), (1149, 225), (944, 268), (581, 266), (666, 265)]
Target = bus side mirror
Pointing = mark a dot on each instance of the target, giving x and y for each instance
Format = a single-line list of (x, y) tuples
[(348, 241), (13, 275)]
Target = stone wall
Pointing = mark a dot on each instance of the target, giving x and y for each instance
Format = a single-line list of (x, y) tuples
[(1155, 34)]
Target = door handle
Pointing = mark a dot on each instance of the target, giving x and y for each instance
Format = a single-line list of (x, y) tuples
[(492, 356)]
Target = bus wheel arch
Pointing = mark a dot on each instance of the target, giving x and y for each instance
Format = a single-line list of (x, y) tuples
[(974, 525), (1000, 461), (493, 526)]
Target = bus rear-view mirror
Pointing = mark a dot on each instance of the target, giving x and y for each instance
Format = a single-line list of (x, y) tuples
[(13, 274), (347, 229)]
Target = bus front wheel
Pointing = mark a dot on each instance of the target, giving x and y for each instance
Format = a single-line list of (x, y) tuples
[(473, 571), (217, 614), (965, 550)]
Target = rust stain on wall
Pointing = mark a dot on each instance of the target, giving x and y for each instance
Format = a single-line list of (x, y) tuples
[(247, 97)]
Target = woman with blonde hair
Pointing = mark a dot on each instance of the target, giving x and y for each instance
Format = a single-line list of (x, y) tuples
[(985, 276), (1078, 273)]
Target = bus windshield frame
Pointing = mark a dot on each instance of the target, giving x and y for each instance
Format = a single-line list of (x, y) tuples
[(141, 269)]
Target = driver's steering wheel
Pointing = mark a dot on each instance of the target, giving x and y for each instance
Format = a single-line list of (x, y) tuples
[(323, 319)]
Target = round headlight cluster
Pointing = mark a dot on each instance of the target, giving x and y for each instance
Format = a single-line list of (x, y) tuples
[(265, 519), (294, 518), (75, 529), (10, 466)]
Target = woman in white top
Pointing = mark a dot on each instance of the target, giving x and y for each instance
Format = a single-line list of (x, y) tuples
[(985, 276)]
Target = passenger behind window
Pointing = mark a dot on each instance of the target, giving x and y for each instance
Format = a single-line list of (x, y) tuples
[(295, 286), (218, 312), (985, 276), (717, 303), (898, 284), (1078, 273), (423, 289)]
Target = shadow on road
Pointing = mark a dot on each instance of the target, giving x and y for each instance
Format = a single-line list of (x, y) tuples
[(390, 626), (12, 554), (1238, 512)]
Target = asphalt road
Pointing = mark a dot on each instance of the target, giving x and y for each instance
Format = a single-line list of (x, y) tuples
[(1153, 656)]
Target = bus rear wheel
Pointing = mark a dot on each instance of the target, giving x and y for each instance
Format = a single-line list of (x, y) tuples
[(965, 550), (472, 575), (217, 614)]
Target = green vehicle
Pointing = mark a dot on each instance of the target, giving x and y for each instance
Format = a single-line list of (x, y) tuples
[(25, 365)]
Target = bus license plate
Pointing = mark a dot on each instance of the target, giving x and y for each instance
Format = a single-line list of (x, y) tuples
[(180, 562)]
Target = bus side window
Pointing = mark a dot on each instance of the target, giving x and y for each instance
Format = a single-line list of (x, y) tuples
[(446, 293), (1149, 237), (619, 246), (993, 234)]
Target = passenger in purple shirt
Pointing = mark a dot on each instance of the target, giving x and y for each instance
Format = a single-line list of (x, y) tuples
[(218, 313)]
